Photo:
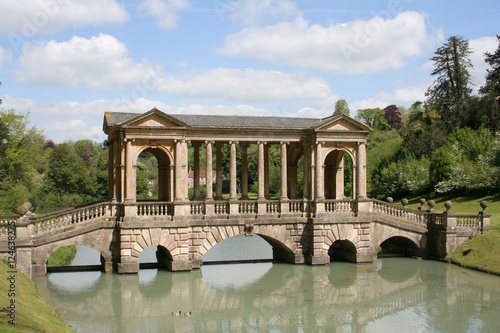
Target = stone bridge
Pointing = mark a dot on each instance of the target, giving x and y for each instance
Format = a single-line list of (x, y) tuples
[(320, 213)]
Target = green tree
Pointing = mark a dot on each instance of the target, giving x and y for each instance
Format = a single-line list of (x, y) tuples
[(450, 92), (487, 108), (22, 160), (373, 118), (341, 107)]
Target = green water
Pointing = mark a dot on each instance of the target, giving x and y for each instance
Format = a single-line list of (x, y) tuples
[(391, 295)]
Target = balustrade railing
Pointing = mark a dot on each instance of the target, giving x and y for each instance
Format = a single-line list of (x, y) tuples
[(340, 206), (296, 206), (5, 222), (221, 208), (273, 207), (69, 217), (470, 221), (408, 214), (197, 208), (247, 207), (154, 208)]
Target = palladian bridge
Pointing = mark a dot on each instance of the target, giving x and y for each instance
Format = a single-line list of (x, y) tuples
[(322, 211)]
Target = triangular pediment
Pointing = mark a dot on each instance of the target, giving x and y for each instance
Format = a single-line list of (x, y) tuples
[(154, 118), (342, 123)]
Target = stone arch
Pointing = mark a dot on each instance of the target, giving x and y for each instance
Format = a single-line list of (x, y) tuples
[(165, 161), (394, 240), (342, 250), (334, 173), (277, 236), (345, 235), (45, 251)]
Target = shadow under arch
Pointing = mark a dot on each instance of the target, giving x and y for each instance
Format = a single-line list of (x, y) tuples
[(343, 250), (161, 258), (399, 246), (239, 248)]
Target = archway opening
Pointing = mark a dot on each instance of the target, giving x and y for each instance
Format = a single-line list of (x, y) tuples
[(398, 246), (338, 178), (153, 176), (155, 257), (238, 249), (342, 250), (75, 258)]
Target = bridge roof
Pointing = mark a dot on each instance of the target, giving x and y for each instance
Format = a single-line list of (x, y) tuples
[(122, 119)]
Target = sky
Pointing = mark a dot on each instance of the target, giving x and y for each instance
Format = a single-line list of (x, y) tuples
[(65, 62)]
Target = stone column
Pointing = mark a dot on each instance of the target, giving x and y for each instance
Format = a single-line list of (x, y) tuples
[(266, 171), (284, 179), (232, 170), (196, 171), (209, 171), (233, 203), (339, 179), (244, 171), (361, 170), (121, 165), (218, 168), (319, 180), (178, 170), (209, 206), (261, 194), (261, 198)]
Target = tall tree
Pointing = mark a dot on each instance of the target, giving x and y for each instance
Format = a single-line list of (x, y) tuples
[(449, 93), (488, 107), (341, 107)]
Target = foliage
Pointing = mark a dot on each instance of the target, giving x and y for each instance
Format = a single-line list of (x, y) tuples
[(373, 118), (451, 90), (393, 116), (341, 107)]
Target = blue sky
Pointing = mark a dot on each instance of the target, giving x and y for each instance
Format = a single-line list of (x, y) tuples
[(66, 62)]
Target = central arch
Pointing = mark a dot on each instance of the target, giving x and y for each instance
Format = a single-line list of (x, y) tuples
[(163, 185), (339, 175)]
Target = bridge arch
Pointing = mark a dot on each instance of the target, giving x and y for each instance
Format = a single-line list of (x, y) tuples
[(393, 240), (342, 250)]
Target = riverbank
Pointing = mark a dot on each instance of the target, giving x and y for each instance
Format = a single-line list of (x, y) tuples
[(23, 308), (482, 252)]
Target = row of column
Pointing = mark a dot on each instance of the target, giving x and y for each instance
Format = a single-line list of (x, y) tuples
[(263, 170), (313, 174)]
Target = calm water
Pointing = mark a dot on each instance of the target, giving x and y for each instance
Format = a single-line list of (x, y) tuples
[(391, 295)]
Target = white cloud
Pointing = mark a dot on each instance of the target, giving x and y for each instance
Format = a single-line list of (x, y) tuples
[(29, 17), (244, 85), (164, 11), (257, 12), (356, 47), (100, 62), (479, 47), (5, 57)]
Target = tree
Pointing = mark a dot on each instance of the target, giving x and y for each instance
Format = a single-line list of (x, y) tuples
[(449, 93), (393, 116), (341, 107), (373, 118), (21, 160), (488, 107)]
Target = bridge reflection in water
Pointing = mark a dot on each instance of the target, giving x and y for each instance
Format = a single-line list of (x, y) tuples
[(392, 294)]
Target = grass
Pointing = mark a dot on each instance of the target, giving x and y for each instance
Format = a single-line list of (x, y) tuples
[(481, 252), (33, 313), (62, 257)]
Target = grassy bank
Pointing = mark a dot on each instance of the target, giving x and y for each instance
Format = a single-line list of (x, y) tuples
[(32, 312), (482, 252), (62, 257)]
